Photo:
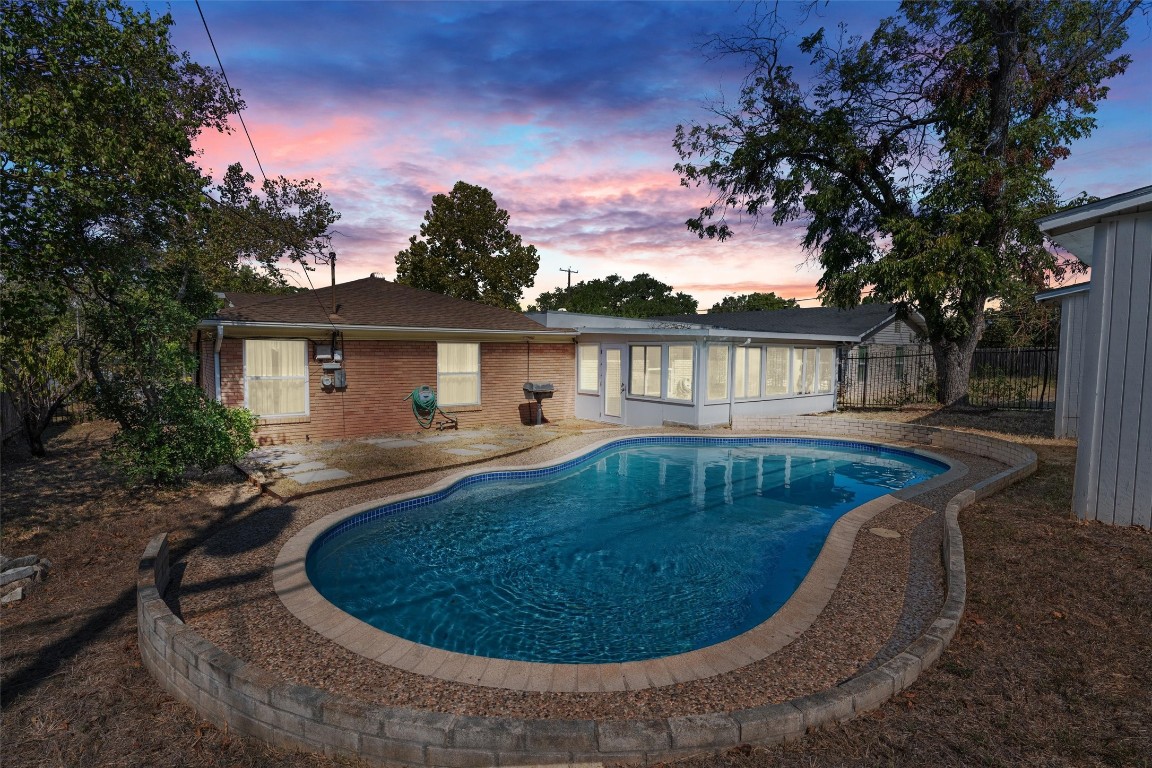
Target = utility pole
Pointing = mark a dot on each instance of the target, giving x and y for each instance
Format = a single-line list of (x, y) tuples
[(570, 272)]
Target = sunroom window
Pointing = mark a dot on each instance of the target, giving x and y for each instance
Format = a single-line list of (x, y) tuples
[(717, 372), (776, 370), (680, 372), (746, 373), (588, 368), (645, 375)]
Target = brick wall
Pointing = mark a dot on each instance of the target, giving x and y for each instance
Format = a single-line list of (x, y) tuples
[(380, 374)]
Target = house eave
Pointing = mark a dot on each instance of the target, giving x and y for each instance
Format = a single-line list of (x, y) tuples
[(386, 331)]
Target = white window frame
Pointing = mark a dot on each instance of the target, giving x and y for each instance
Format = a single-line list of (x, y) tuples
[(585, 354), (825, 370), (303, 378), (741, 368), (647, 366), (787, 352), (691, 378), (807, 367), (474, 374), (714, 367)]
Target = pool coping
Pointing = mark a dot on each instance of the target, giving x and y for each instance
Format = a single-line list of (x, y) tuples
[(791, 620), (246, 699)]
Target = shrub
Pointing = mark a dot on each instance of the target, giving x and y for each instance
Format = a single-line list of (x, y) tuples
[(186, 430)]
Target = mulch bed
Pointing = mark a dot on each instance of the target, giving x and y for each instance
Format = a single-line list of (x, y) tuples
[(1050, 668)]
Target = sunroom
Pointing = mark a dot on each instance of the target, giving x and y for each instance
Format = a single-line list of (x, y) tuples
[(649, 373)]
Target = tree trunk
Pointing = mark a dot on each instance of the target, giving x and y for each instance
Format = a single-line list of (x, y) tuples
[(953, 369)]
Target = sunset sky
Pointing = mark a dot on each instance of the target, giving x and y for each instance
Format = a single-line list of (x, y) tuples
[(565, 111)]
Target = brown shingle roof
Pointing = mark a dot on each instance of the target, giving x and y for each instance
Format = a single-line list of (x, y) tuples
[(380, 303)]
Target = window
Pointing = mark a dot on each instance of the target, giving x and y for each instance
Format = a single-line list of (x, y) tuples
[(776, 370), (746, 376), (827, 356), (717, 371), (680, 372), (861, 363), (812, 370), (458, 374), (900, 363), (803, 370), (588, 368), (645, 380), (276, 377)]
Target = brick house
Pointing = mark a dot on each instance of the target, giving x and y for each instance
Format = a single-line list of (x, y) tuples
[(337, 363)]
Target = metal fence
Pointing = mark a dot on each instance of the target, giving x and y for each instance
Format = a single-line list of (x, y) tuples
[(1022, 378)]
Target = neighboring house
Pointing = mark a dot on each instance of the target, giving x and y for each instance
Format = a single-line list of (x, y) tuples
[(704, 370), (337, 363), (1073, 301), (1114, 400)]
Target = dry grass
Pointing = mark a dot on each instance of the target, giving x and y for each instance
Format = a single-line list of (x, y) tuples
[(1051, 666)]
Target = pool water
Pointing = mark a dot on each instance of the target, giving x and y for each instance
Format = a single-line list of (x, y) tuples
[(639, 551)]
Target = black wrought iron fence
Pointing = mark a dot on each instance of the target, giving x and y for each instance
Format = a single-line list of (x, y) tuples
[(1022, 378)]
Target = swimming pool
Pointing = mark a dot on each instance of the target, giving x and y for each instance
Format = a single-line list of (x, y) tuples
[(644, 548)]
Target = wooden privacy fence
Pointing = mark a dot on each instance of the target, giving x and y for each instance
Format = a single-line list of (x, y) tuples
[(1020, 378)]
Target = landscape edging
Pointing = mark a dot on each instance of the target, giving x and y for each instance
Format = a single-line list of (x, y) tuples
[(241, 696)]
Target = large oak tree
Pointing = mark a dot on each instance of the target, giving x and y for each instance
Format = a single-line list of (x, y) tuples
[(918, 157), (467, 251)]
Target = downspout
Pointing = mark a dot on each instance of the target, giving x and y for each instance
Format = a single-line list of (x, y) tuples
[(216, 359)]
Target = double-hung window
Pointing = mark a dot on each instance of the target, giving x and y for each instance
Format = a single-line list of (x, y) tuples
[(457, 374), (276, 377)]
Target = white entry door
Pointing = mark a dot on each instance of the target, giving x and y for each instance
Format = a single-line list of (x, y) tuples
[(612, 392)]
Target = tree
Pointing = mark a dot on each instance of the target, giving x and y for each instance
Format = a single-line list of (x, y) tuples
[(247, 235), (642, 296), (467, 251), (40, 365), (753, 302), (107, 230), (918, 157)]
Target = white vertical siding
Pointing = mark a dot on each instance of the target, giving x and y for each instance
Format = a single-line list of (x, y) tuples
[(1073, 319), (1114, 455)]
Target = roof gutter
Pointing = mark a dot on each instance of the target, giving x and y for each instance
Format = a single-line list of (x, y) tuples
[(216, 359), (219, 324)]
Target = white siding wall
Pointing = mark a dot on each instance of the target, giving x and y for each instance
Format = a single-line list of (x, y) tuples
[(1073, 319), (1114, 454)]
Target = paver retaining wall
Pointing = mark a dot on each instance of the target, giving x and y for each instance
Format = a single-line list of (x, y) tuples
[(241, 696)]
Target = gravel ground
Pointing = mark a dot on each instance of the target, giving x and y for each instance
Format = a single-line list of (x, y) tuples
[(890, 589)]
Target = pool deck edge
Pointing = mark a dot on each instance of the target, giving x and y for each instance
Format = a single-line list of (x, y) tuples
[(241, 696)]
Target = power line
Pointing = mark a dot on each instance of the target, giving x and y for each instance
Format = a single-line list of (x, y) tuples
[(234, 105)]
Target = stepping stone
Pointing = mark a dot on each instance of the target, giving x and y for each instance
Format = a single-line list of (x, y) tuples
[(320, 475), (308, 466), (463, 451), (285, 458), (440, 439), (393, 442)]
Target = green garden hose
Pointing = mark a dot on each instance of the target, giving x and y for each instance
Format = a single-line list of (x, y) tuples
[(424, 407)]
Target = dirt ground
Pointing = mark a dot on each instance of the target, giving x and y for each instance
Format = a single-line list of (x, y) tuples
[(1050, 668)]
